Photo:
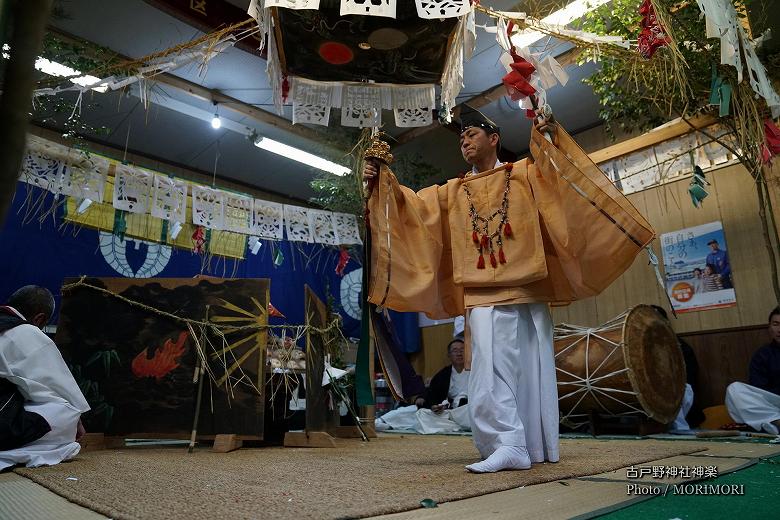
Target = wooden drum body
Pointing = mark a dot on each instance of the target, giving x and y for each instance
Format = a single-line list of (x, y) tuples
[(631, 365)]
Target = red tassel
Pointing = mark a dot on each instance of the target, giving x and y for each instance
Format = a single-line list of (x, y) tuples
[(493, 260), (481, 262), (501, 257), (484, 241), (507, 229), (475, 237), (508, 166)]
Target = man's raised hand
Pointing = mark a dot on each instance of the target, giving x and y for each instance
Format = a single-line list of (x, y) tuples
[(370, 173)]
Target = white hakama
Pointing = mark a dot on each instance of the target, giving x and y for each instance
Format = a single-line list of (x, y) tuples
[(753, 406), (425, 421), (513, 395), (32, 362)]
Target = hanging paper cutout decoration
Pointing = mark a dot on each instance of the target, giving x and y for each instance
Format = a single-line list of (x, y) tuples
[(671, 162), (347, 230), (361, 106), (313, 100), (132, 187), (54, 167), (721, 22), (84, 176), (169, 198), (323, 229), (42, 171), (412, 117), (208, 207), (298, 225), (268, 220), (63, 170), (437, 9), (238, 213), (43, 163), (384, 8)]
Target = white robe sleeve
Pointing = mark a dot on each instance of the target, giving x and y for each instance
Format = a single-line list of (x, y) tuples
[(30, 360)]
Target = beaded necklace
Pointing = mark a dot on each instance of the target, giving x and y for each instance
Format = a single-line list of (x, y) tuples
[(480, 230)]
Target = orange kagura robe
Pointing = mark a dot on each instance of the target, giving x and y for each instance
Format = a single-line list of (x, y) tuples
[(573, 233)]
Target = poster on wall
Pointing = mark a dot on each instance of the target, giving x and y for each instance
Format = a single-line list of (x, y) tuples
[(697, 267)]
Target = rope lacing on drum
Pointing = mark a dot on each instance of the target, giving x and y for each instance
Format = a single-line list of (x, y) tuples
[(588, 385)]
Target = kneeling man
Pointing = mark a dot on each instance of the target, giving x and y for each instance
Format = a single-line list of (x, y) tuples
[(40, 402), (444, 407)]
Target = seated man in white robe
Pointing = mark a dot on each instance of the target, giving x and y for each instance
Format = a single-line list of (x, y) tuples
[(40, 402), (444, 407), (758, 404)]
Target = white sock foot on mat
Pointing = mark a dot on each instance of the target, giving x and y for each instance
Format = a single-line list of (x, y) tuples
[(504, 458)]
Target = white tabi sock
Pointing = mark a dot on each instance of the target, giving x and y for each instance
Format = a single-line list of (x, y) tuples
[(504, 458)]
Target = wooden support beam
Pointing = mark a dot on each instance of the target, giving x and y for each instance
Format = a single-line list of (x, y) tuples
[(655, 136), (239, 107), (225, 443)]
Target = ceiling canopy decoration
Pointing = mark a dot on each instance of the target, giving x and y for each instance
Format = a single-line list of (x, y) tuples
[(366, 56)]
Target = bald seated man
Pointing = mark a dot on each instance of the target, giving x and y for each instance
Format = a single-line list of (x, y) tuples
[(41, 404)]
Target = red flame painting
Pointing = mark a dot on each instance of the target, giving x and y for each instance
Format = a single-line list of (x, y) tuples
[(165, 359)]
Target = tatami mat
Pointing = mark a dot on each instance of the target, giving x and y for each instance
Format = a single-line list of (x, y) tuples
[(561, 499), (23, 499)]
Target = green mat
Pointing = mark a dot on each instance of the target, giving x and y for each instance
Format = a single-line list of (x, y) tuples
[(761, 484)]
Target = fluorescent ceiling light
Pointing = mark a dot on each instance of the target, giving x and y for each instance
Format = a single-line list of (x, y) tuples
[(563, 17), (299, 155), (52, 68)]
